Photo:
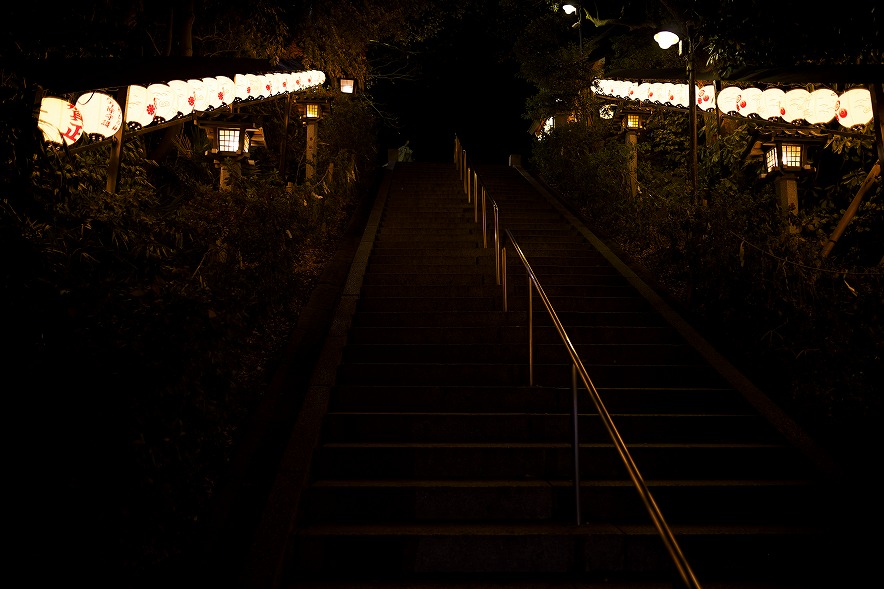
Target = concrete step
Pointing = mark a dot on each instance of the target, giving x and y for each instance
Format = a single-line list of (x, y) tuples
[(412, 397), (509, 374), (486, 346), (388, 551), (543, 461), (520, 427), (682, 502)]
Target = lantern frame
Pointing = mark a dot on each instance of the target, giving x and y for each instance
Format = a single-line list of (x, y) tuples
[(231, 136)]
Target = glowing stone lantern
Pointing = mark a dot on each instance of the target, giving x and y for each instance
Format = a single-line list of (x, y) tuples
[(102, 115), (60, 121)]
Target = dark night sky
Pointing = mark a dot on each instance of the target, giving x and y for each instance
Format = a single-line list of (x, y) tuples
[(462, 88)]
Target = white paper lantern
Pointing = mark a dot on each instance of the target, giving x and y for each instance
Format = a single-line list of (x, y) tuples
[(770, 104), (60, 121), (102, 115), (140, 109), (284, 80), (243, 86), (668, 94), (655, 93), (641, 93), (184, 98), (821, 106), (854, 107), (226, 90), (728, 100), (680, 94), (706, 97), (200, 101), (164, 103), (794, 105), (254, 86), (211, 89)]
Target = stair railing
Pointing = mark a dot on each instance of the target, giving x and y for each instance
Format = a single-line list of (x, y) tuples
[(470, 184), (577, 368)]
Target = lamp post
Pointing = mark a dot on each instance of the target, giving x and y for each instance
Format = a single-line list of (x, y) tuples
[(571, 9), (310, 113), (633, 121), (665, 39), (785, 158)]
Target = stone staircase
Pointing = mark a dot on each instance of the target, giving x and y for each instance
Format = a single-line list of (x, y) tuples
[(432, 459)]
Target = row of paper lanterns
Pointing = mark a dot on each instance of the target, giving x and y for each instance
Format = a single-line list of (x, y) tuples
[(99, 115), (851, 108)]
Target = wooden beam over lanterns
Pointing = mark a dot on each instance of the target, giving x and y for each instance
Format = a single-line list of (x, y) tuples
[(64, 76)]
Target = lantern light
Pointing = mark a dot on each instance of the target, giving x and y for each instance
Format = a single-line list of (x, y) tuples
[(854, 108), (200, 102), (163, 99), (102, 115), (666, 39), (312, 111), (139, 108), (226, 90), (60, 121), (212, 89), (347, 85), (184, 98), (233, 135)]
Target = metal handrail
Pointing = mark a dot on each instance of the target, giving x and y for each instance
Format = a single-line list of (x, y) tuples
[(663, 529), (577, 367)]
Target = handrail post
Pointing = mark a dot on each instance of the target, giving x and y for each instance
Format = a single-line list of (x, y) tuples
[(574, 419), (469, 185), (484, 222), (530, 333), (475, 198), (503, 274), (496, 242)]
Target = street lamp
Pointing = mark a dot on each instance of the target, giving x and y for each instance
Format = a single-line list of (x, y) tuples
[(666, 38), (571, 9)]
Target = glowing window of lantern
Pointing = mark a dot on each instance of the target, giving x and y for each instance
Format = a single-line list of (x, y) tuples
[(791, 155), (771, 159), (228, 140), (312, 111), (633, 121), (347, 85)]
